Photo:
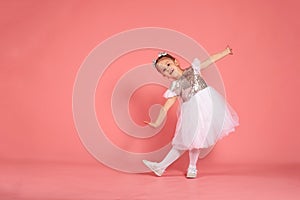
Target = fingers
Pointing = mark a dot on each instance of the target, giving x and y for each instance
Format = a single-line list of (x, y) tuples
[(150, 124), (229, 50)]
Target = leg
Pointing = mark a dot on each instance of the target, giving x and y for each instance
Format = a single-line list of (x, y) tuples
[(159, 168), (171, 157), (193, 154), (192, 170)]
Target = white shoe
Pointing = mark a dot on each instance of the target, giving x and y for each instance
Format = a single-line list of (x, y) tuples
[(154, 167), (191, 173)]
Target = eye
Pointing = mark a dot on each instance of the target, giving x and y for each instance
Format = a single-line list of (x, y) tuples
[(168, 64)]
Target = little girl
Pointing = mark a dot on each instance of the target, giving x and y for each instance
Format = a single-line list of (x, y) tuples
[(205, 116)]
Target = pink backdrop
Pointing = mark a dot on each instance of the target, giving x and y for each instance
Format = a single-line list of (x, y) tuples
[(43, 44)]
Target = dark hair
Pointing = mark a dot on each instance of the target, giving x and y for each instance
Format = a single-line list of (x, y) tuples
[(164, 56)]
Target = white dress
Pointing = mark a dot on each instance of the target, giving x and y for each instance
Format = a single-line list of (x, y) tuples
[(205, 117)]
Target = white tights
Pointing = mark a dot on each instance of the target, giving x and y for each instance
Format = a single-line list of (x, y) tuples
[(174, 154), (194, 155)]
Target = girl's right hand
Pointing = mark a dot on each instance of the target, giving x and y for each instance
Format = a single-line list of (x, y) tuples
[(150, 124)]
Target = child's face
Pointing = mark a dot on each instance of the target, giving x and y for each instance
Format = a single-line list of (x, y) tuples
[(169, 68)]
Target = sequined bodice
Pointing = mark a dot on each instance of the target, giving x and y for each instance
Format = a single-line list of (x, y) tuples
[(189, 84)]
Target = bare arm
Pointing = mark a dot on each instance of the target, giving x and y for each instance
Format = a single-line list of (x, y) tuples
[(163, 112), (169, 103), (216, 57)]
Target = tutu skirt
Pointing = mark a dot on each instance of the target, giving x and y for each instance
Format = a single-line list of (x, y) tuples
[(203, 120)]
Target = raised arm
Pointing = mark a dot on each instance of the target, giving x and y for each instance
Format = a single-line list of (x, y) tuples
[(216, 57), (162, 113)]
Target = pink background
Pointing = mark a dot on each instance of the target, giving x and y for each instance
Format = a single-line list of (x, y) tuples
[(43, 44)]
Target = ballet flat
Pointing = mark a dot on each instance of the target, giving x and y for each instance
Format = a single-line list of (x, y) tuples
[(153, 167), (191, 173)]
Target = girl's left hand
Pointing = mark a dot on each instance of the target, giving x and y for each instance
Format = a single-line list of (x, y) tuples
[(229, 50)]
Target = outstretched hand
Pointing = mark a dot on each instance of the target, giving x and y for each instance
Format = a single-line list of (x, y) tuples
[(150, 124), (229, 50)]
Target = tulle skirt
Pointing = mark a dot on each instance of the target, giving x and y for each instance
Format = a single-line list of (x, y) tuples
[(203, 120)]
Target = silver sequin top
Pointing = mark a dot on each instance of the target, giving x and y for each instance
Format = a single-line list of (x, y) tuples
[(188, 84)]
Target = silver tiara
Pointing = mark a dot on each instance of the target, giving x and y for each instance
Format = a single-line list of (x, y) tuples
[(160, 54)]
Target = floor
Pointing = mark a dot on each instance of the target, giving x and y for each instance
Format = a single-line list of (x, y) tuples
[(67, 181)]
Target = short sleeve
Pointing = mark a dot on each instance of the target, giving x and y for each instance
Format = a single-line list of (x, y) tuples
[(196, 66), (169, 94), (174, 90)]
